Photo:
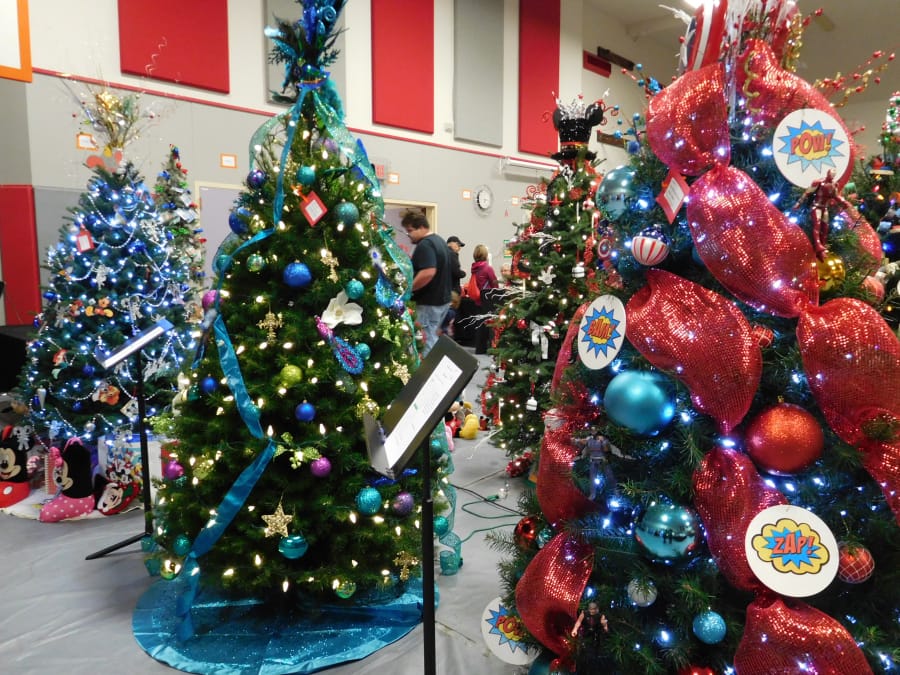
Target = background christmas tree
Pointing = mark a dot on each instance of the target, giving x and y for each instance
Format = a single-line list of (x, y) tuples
[(551, 273), (309, 330), (734, 391), (115, 271)]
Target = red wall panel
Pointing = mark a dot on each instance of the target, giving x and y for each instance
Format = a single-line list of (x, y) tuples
[(19, 254), (539, 41), (176, 41), (403, 64)]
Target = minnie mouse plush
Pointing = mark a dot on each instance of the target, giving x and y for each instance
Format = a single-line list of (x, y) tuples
[(72, 474)]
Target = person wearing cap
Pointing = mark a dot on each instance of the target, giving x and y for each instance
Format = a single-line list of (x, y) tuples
[(456, 272)]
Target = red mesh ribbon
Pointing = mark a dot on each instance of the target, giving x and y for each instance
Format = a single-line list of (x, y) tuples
[(687, 122), (705, 341), (772, 92), (869, 242), (728, 494), (748, 244), (849, 353), (789, 636), (559, 497), (547, 595)]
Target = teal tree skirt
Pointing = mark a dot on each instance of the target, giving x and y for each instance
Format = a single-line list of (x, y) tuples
[(246, 637)]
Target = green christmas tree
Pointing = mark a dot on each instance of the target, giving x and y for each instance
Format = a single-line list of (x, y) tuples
[(749, 379), (115, 271), (552, 272), (308, 331)]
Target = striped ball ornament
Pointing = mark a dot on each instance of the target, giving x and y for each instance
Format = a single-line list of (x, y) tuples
[(651, 246)]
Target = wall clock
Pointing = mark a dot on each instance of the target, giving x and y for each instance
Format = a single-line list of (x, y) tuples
[(483, 198)]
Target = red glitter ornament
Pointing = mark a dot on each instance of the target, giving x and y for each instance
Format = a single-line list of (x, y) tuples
[(526, 531), (521, 324), (784, 439), (855, 563)]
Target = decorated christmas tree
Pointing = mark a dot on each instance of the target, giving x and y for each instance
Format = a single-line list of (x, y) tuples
[(552, 272), (115, 271), (178, 213), (718, 472), (308, 330)]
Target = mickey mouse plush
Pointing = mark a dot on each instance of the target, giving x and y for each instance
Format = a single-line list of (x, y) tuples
[(14, 445), (72, 475), (114, 495)]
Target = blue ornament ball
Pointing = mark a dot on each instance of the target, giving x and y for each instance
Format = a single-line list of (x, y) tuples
[(354, 289), (633, 147), (667, 533), (368, 501), (347, 213), (237, 220), (297, 275), (709, 627), (305, 412), (87, 370), (364, 350), (208, 384), (182, 545), (293, 547), (641, 401), (441, 526), (616, 191), (256, 178), (306, 176), (399, 306)]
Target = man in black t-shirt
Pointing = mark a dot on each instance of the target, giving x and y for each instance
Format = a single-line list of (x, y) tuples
[(431, 281)]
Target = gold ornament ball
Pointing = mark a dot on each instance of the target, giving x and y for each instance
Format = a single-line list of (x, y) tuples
[(831, 271)]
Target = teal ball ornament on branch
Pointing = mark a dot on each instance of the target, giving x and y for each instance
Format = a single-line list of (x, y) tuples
[(709, 627), (641, 401), (255, 262), (297, 275), (667, 533), (346, 213), (616, 191), (345, 589), (306, 176), (293, 547), (354, 289), (441, 525), (182, 545), (368, 501)]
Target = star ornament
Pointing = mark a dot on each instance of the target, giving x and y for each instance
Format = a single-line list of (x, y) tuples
[(277, 522), (601, 332)]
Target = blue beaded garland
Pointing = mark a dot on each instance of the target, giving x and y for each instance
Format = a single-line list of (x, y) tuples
[(368, 501), (297, 275)]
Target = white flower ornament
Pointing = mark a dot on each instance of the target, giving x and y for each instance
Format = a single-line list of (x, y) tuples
[(339, 311)]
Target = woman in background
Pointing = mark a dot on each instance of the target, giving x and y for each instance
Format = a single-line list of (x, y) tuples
[(486, 279)]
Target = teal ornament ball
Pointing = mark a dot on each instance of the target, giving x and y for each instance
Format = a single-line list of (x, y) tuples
[(255, 262), (182, 545), (297, 275), (354, 289), (293, 547), (616, 191), (364, 351), (221, 264), (368, 501), (709, 627), (441, 526), (544, 536), (148, 544), (306, 176), (667, 533), (641, 401), (346, 212)]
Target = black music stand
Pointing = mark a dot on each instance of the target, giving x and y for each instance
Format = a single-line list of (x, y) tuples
[(108, 360)]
